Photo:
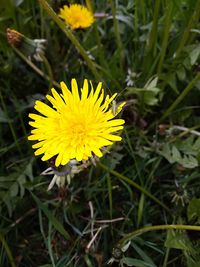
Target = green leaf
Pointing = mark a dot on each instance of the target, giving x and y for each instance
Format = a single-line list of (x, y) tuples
[(193, 210), (14, 190), (58, 226), (194, 54), (135, 262), (176, 155), (189, 162), (177, 239), (143, 255), (151, 83), (150, 96), (196, 145), (13, 186), (140, 209), (184, 152), (191, 262), (4, 117), (181, 73), (166, 152), (171, 80)]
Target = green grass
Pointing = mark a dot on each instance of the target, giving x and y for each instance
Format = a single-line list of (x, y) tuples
[(147, 52)]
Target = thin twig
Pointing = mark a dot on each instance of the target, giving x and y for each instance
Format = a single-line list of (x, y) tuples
[(86, 232), (29, 212), (93, 239), (110, 221), (104, 221), (185, 129), (92, 218)]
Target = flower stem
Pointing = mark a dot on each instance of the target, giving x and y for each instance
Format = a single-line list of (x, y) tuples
[(186, 37), (49, 70), (168, 22), (117, 34), (137, 186), (145, 229), (35, 68), (151, 44), (71, 37), (152, 41)]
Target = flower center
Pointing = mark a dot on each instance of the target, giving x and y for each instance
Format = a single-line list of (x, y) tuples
[(79, 133), (77, 18), (79, 129)]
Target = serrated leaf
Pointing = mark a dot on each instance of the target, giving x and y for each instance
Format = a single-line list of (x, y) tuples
[(182, 152), (150, 96), (14, 185), (166, 152), (178, 240), (151, 83), (193, 210), (196, 144), (186, 146), (176, 155), (189, 162)]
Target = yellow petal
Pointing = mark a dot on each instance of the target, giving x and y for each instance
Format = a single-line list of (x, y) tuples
[(84, 92), (45, 109), (47, 156), (67, 95), (112, 137), (75, 92), (97, 152)]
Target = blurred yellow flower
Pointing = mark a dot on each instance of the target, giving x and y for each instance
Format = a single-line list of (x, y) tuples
[(76, 16), (78, 126)]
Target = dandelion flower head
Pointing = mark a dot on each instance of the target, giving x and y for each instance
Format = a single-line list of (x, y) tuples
[(78, 125), (76, 16)]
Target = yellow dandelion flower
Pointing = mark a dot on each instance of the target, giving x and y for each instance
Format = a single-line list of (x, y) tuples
[(78, 126), (76, 16)]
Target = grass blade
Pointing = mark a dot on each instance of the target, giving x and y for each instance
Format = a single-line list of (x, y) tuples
[(7, 249), (181, 96), (58, 226), (137, 186)]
